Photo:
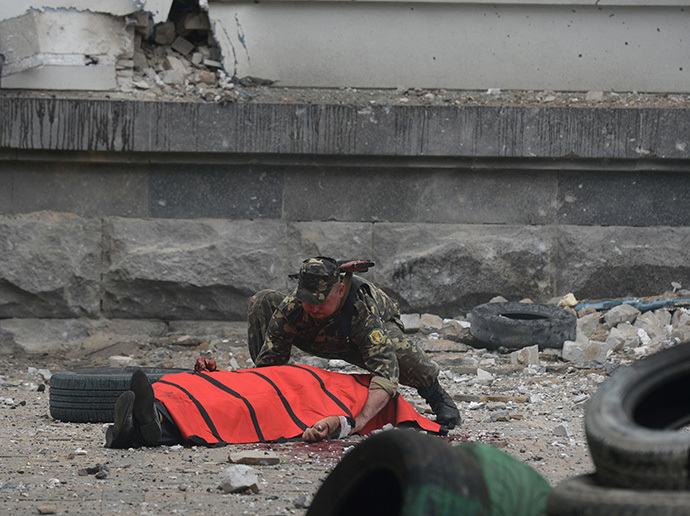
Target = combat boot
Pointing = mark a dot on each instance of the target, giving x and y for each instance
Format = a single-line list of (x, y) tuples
[(119, 435), (444, 407), (146, 416)]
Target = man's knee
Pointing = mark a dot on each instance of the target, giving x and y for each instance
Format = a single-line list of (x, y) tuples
[(262, 305), (264, 300)]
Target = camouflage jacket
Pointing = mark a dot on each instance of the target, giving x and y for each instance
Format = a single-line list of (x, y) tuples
[(365, 343)]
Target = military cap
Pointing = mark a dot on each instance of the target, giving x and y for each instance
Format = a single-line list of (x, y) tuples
[(316, 279)]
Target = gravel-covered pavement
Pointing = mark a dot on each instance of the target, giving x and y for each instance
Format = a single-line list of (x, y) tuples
[(529, 403), (54, 467)]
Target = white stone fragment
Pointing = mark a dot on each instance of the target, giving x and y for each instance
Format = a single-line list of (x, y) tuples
[(121, 361), (621, 314), (645, 340), (563, 430), (411, 322), (237, 478), (484, 375)]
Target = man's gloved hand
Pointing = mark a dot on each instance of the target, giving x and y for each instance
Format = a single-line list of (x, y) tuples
[(206, 365), (355, 265)]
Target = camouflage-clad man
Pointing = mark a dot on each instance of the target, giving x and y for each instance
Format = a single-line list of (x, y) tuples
[(345, 317)]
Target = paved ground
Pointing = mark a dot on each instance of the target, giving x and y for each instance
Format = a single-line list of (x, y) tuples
[(44, 462)]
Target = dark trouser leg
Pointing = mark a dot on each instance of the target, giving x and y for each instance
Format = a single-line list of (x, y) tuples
[(418, 370), (261, 308), (170, 434)]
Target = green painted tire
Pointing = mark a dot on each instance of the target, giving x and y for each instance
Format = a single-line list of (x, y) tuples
[(406, 473)]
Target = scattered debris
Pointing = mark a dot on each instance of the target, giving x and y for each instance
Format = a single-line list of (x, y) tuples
[(529, 402), (302, 501), (100, 471), (239, 478), (563, 430), (254, 457)]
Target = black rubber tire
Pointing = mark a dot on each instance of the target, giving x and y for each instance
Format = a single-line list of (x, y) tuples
[(89, 395), (584, 496), (374, 478), (632, 423), (517, 325)]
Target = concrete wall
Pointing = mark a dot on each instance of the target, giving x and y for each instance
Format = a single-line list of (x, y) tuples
[(564, 45), (570, 45), (174, 211)]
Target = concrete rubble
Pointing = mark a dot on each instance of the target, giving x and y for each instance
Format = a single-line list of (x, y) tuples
[(153, 53), (239, 478), (117, 49), (528, 402)]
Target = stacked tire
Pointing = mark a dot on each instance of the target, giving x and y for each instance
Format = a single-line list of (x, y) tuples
[(636, 428), (88, 395), (516, 325)]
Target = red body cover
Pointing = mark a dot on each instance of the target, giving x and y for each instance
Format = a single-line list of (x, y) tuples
[(270, 403)]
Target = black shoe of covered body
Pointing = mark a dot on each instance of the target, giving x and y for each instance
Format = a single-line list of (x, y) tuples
[(119, 434), (443, 406), (146, 416)]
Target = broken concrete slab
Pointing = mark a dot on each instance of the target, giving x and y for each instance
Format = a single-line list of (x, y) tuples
[(255, 457), (623, 336), (562, 430), (653, 325), (596, 351), (63, 50), (164, 33), (528, 356), (440, 345), (623, 313), (589, 323), (431, 322), (182, 45), (573, 351), (681, 317), (489, 398), (158, 10), (411, 322)]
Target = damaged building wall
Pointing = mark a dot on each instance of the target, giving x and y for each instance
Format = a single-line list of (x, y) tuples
[(172, 211), (563, 45), (66, 50), (510, 44), (158, 9), (74, 45)]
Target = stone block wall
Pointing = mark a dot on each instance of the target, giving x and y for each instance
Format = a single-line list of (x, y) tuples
[(159, 212)]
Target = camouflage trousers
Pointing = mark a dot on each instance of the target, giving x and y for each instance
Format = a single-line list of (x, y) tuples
[(416, 369)]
